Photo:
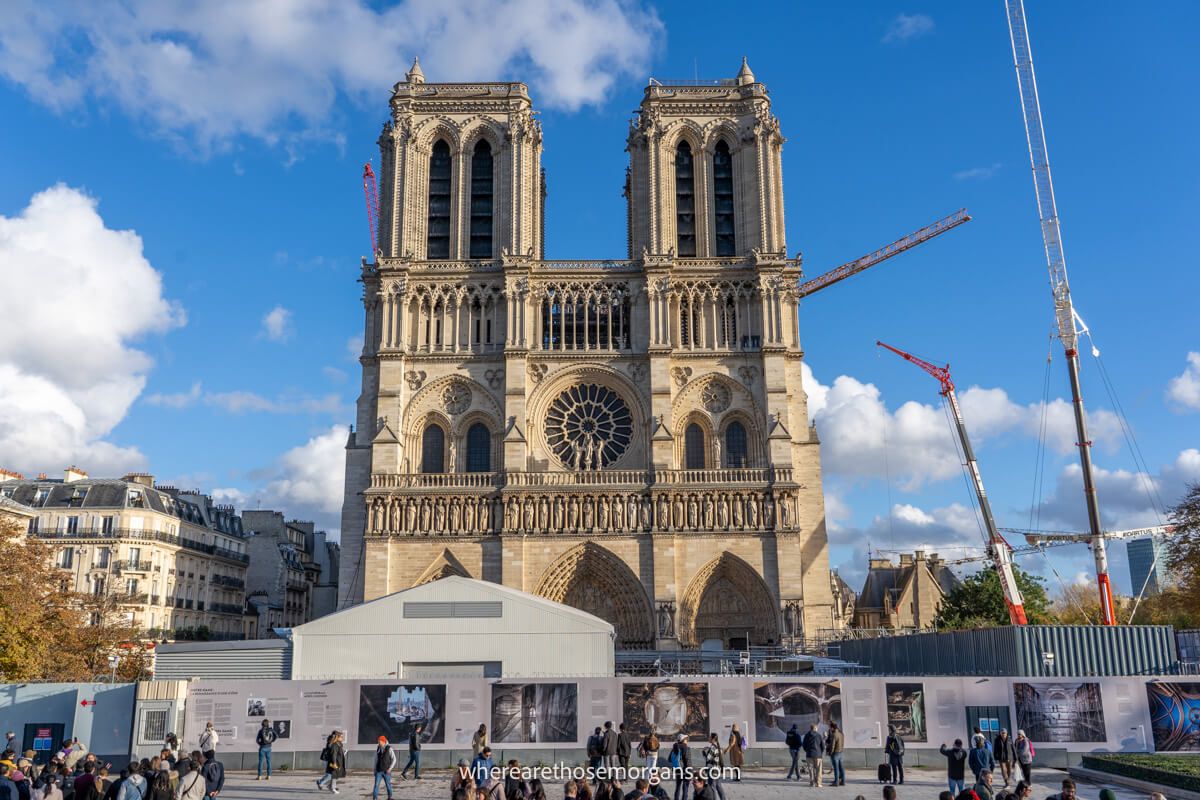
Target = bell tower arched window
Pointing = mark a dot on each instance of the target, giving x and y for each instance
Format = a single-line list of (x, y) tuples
[(433, 449), (437, 237), (693, 447), (479, 448), (481, 201), (723, 222), (685, 200), (735, 445)]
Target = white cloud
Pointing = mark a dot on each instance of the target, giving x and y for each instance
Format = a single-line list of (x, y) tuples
[(76, 296), (277, 324), (1183, 391), (1127, 499), (209, 72), (951, 531), (915, 444), (908, 26), (241, 402), (977, 173), (306, 482), (176, 400), (334, 375)]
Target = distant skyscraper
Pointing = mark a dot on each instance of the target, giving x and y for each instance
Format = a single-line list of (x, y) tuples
[(1147, 557)]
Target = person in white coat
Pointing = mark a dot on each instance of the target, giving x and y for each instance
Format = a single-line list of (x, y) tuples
[(135, 786), (209, 740)]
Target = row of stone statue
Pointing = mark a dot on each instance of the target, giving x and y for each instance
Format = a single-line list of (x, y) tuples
[(583, 512)]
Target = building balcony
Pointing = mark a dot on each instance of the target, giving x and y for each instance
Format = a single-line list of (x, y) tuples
[(225, 608), (132, 566), (134, 599), (228, 580)]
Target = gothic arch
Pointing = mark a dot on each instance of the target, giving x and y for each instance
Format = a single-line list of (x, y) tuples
[(593, 579), (689, 405), (443, 566), (428, 405), (727, 599), (432, 129), (482, 128), (695, 417), (684, 130), (718, 131)]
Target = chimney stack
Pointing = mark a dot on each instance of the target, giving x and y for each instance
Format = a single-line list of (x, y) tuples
[(72, 474), (906, 560), (143, 478)]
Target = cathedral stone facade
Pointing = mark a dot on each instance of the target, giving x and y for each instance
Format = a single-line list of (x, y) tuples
[(626, 436)]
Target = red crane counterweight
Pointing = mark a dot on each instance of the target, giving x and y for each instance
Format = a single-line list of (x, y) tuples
[(372, 195)]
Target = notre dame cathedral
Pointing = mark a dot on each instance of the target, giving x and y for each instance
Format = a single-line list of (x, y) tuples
[(627, 436)]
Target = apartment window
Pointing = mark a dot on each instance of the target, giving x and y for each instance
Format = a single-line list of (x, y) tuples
[(77, 498), (136, 499), (66, 558), (33, 526), (102, 556), (131, 586), (98, 585), (135, 554), (106, 526), (39, 497), (72, 524)]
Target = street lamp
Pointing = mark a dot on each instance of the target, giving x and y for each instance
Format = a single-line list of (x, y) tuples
[(113, 661)]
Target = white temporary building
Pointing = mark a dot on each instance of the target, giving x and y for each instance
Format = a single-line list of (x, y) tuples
[(454, 627)]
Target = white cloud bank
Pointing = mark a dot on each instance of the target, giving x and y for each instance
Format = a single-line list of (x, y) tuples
[(209, 72), (1183, 391), (862, 437), (76, 296), (277, 324)]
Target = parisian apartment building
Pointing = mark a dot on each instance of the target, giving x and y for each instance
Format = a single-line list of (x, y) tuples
[(293, 572), (175, 561)]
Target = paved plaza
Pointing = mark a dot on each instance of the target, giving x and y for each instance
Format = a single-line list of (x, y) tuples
[(920, 784)]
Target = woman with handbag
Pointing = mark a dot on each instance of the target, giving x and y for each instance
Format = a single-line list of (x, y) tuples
[(334, 756), (736, 751)]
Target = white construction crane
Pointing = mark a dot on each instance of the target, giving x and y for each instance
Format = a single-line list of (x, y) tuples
[(1036, 538), (999, 550), (1064, 311)]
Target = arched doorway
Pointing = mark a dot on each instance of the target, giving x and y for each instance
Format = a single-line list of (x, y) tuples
[(592, 579), (728, 601)]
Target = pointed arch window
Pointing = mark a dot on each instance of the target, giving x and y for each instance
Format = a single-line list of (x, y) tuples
[(481, 200), (479, 448), (437, 237), (433, 449), (735, 445), (685, 200), (693, 447), (723, 221)]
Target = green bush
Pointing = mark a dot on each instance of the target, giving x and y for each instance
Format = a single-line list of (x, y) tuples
[(1181, 772)]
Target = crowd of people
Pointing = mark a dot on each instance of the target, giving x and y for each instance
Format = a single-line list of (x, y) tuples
[(74, 773)]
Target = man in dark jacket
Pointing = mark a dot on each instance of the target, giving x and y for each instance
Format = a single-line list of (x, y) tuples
[(610, 747), (265, 739), (214, 775), (595, 753), (414, 753), (894, 748), (983, 786), (624, 747), (814, 751), (1005, 754), (793, 743), (956, 762), (681, 761), (702, 790)]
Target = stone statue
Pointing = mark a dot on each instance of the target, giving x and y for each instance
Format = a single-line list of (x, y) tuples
[(666, 620)]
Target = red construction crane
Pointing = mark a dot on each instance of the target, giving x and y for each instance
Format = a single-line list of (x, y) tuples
[(998, 549), (1056, 260), (884, 253), (372, 195)]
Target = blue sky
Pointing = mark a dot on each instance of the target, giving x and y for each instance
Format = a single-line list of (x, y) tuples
[(217, 349)]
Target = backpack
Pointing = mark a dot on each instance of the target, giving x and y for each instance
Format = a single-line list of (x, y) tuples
[(673, 759), (326, 754)]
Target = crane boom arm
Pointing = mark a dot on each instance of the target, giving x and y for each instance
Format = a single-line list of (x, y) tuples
[(999, 550), (884, 253), (371, 192), (1071, 537), (1056, 260)]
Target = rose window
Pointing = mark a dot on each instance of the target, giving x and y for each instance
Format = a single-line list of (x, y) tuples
[(715, 397), (456, 398), (588, 427)]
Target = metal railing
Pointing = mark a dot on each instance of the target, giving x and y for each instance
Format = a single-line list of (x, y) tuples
[(225, 608), (128, 565), (227, 580)]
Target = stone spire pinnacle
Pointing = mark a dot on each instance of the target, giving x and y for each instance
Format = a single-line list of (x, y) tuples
[(745, 77), (415, 75)]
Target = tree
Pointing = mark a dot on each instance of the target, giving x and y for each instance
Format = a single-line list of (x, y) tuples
[(1183, 548), (48, 633), (978, 602)]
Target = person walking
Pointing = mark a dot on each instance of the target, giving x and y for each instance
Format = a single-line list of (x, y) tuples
[(209, 741), (414, 754), (736, 750), (793, 742), (1005, 755), (979, 758), (680, 761), (265, 738), (135, 786), (894, 748), (334, 756), (649, 749), (1024, 751), (814, 752), (714, 765), (835, 744), (624, 747), (385, 762), (956, 762), (479, 741)]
